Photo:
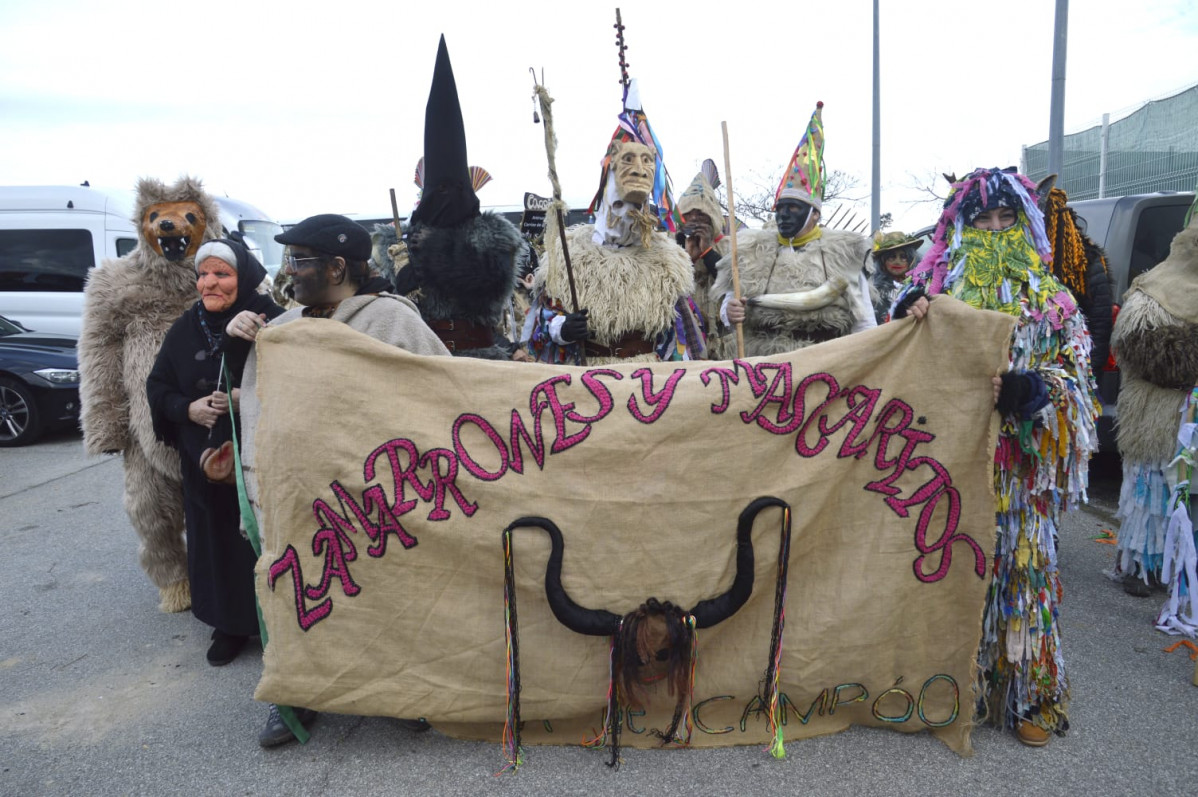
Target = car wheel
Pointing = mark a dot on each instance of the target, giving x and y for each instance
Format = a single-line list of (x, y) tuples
[(20, 421)]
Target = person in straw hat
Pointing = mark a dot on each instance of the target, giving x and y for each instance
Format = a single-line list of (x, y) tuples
[(893, 256)]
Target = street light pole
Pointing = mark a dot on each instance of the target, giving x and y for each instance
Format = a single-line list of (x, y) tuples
[(1056, 114), (875, 204)]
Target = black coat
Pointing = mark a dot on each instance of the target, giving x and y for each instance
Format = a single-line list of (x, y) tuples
[(1095, 305), (220, 562)]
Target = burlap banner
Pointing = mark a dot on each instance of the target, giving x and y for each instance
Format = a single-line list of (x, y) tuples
[(387, 480)]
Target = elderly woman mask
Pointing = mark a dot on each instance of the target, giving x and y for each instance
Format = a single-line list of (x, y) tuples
[(216, 282)]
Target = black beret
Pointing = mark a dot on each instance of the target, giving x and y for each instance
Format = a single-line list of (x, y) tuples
[(331, 234)]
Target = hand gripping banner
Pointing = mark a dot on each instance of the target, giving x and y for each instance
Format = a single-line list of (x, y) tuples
[(392, 485)]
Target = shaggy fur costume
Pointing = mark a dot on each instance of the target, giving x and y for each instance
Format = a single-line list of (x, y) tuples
[(767, 267), (466, 272), (1156, 345), (129, 304), (1160, 307), (633, 289), (382, 238)]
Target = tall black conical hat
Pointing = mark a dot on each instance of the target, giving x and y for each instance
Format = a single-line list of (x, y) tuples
[(448, 197)]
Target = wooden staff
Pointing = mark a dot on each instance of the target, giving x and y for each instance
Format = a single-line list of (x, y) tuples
[(395, 216), (740, 327), (546, 103)]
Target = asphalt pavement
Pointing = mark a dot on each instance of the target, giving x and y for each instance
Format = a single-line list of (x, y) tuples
[(104, 695)]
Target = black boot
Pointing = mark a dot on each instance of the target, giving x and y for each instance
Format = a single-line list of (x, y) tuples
[(224, 648), (276, 731)]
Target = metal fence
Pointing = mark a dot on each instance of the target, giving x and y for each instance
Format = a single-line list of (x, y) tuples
[(1155, 148)]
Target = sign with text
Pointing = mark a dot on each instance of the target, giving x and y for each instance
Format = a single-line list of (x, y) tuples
[(532, 222), (387, 479)]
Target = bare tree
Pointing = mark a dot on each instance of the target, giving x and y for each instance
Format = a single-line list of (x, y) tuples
[(755, 193), (931, 186)]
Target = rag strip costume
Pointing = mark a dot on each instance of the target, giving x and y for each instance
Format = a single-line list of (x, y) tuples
[(803, 290), (1179, 568), (1156, 346), (220, 561), (462, 268), (129, 304), (1041, 462)]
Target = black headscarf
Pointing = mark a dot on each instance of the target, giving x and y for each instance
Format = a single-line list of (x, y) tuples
[(250, 274)]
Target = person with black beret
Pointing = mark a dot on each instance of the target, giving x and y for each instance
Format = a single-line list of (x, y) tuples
[(329, 269)]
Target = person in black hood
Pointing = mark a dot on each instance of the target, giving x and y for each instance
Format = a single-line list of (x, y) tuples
[(191, 407), (463, 262)]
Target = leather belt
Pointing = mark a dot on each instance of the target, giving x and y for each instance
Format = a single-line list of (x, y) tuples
[(460, 335), (631, 345)]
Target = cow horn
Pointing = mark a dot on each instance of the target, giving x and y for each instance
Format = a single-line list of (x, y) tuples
[(592, 622), (715, 610)]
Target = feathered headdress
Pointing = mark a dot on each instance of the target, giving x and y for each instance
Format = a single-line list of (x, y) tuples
[(700, 195), (634, 127), (804, 178)]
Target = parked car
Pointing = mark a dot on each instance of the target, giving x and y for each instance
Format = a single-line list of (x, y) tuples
[(39, 383)]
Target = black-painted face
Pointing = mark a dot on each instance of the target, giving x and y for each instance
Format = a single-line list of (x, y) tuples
[(309, 276), (791, 215)]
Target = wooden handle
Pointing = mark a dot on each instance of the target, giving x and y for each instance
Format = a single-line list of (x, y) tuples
[(740, 327)]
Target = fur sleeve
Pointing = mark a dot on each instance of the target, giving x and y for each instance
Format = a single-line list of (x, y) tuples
[(1165, 356), (103, 400)]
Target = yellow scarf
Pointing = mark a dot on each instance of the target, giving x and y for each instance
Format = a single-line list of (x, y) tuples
[(802, 240)]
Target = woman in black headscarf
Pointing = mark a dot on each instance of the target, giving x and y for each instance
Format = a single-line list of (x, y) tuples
[(189, 405)]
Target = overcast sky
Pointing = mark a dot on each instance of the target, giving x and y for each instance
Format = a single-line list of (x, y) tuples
[(305, 107)]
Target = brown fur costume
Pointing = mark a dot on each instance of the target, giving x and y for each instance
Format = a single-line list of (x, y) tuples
[(769, 268), (129, 305), (633, 289), (1156, 346)]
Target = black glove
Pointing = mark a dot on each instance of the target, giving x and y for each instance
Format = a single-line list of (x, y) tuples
[(575, 327), (709, 261), (1022, 393), (914, 295)]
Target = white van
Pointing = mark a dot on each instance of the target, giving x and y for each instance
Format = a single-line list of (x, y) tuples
[(51, 236)]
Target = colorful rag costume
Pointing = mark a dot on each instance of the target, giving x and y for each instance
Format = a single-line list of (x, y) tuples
[(1041, 461), (1179, 568), (634, 282), (1156, 345)]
